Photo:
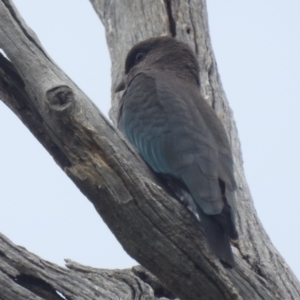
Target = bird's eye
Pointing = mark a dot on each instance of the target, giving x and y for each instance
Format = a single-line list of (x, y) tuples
[(139, 57)]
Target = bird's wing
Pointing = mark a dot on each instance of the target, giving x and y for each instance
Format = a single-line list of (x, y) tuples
[(225, 160), (217, 129), (160, 119)]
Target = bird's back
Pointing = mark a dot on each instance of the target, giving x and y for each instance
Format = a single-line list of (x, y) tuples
[(178, 134)]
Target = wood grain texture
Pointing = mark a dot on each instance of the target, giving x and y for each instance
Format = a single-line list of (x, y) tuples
[(190, 25), (23, 275), (152, 226)]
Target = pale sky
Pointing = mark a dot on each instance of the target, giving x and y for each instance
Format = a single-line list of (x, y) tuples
[(257, 47)]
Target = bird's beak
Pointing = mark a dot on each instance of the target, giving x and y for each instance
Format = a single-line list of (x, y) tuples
[(121, 86)]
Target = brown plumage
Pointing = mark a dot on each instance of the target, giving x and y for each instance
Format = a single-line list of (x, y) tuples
[(163, 114)]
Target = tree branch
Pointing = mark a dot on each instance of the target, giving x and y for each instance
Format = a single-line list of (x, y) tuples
[(26, 276), (153, 227), (187, 20)]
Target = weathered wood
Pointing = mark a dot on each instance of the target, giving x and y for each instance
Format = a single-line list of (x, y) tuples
[(187, 20), (26, 276), (153, 227)]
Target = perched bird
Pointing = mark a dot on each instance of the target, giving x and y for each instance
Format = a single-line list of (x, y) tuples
[(178, 134)]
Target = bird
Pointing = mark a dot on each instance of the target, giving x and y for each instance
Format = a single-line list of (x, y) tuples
[(179, 135)]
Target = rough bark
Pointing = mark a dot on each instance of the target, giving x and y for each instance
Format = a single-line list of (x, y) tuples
[(153, 227), (26, 276)]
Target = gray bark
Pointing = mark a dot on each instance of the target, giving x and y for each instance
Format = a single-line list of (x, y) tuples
[(153, 227), (26, 276)]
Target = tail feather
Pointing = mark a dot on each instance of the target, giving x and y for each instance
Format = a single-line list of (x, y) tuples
[(217, 238), (219, 229)]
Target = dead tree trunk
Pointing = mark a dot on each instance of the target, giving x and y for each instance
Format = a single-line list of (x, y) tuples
[(151, 225)]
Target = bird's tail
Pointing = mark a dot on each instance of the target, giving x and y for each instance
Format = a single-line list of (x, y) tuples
[(217, 237)]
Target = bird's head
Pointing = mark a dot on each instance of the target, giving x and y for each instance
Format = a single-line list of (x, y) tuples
[(165, 54)]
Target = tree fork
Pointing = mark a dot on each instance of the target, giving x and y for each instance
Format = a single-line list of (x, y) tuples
[(153, 227)]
